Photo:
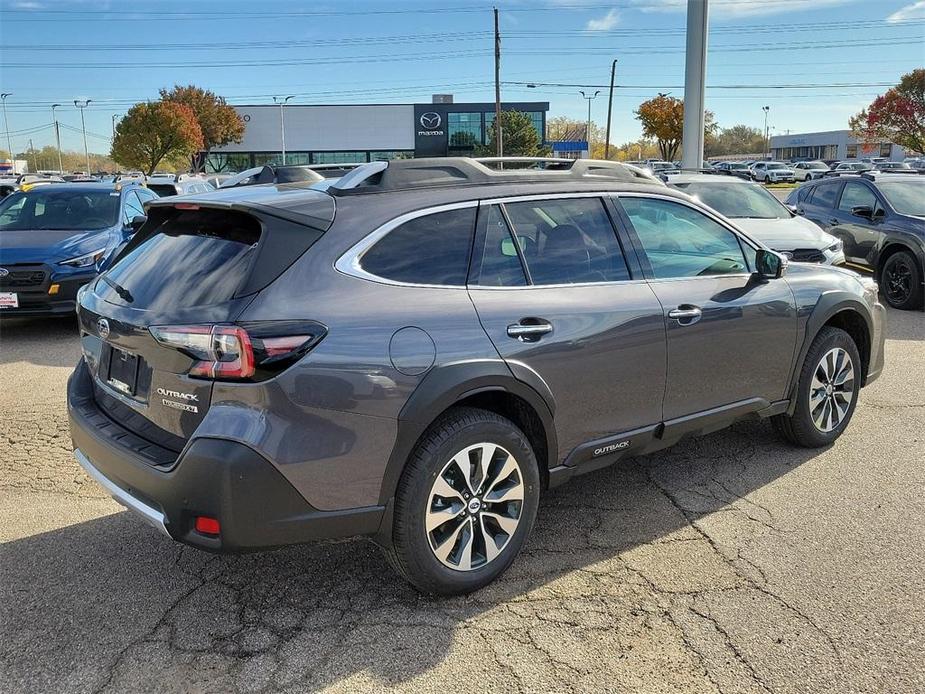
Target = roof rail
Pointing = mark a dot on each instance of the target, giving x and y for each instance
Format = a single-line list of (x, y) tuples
[(409, 174)]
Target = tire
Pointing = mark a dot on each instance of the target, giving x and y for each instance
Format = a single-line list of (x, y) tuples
[(803, 428), (901, 281), (419, 531)]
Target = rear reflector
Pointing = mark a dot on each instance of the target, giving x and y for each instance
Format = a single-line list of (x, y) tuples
[(207, 526)]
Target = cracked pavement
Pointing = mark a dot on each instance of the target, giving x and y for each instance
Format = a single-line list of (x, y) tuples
[(729, 563)]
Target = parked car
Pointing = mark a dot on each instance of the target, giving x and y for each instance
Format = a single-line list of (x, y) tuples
[(52, 238), (808, 170), (880, 218), (772, 172), (894, 166), (182, 184), (420, 351), (849, 167), (763, 216)]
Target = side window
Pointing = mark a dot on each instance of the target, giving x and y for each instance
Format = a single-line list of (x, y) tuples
[(857, 194), (680, 241), (803, 193), (432, 249), (824, 194), (132, 206), (567, 241), (496, 256), (144, 195)]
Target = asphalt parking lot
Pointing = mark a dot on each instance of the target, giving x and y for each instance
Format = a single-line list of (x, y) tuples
[(730, 563)]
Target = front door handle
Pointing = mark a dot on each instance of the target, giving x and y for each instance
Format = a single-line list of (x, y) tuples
[(686, 314), (529, 329), (834, 222)]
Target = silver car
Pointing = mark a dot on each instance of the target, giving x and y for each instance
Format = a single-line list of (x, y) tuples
[(808, 170), (772, 172)]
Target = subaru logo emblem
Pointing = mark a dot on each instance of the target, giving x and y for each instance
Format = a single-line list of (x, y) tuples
[(4, 272), (102, 326), (430, 120)]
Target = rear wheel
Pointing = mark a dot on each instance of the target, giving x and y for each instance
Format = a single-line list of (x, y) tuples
[(827, 392), (901, 281), (466, 503)]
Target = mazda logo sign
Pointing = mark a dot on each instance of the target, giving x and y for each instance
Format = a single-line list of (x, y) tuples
[(102, 326), (430, 120), (4, 272)]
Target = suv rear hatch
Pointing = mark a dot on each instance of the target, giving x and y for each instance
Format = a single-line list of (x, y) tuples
[(158, 328)]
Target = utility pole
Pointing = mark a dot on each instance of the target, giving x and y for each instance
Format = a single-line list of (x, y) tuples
[(695, 77), (35, 165), (114, 116), (6, 126), (767, 132), (588, 130), (499, 140), (83, 126), (281, 100), (54, 118), (613, 74)]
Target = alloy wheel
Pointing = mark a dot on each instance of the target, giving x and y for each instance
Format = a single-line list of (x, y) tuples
[(474, 506), (898, 276), (832, 390)]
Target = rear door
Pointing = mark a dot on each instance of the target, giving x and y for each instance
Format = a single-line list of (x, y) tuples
[(566, 305), (731, 337)]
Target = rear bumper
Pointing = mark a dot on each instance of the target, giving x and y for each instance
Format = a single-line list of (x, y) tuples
[(255, 504)]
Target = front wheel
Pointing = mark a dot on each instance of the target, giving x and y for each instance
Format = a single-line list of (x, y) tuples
[(466, 503), (827, 392), (901, 281)]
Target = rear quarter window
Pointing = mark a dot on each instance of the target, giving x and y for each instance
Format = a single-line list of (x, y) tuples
[(824, 194), (431, 249)]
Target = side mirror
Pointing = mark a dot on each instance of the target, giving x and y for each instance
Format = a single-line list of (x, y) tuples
[(794, 209), (863, 211), (770, 265), (137, 222)]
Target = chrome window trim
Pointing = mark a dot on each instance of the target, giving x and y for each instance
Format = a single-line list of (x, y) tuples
[(350, 262)]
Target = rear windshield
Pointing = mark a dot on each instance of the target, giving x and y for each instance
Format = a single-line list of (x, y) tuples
[(163, 189), (193, 258)]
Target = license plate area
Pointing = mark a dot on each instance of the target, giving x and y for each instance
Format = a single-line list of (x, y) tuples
[(122, 371)]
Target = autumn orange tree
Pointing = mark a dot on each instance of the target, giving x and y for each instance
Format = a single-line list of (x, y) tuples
[(151, 133), (219, 122), (662, 119), (897, 116)]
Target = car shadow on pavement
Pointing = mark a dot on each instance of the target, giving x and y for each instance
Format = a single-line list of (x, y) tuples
[(108, 603)]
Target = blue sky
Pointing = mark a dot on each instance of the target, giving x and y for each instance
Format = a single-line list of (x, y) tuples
[(402, 51)]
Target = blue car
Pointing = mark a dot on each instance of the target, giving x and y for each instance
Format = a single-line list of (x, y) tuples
[(53, 238)]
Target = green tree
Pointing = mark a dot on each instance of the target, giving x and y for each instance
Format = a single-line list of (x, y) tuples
[(662, 119), (897, 116), (519, 137), (154, 132), (738, 139), (219, 122)]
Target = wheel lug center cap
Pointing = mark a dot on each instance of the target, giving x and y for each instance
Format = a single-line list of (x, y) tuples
[(829, 389), (474, 505)]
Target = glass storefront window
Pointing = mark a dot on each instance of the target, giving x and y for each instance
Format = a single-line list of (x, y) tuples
[(230, 162), (338, 157), (535, 116), (464, 130), (391, 154)]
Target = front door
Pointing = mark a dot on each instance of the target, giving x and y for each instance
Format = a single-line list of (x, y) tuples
[(563, 304), (860, 235), (731, 336)]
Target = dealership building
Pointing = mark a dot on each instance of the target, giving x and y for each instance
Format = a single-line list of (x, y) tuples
[(318, 134), (833, 144)]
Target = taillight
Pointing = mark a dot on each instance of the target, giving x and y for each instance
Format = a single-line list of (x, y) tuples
[(250, 351)]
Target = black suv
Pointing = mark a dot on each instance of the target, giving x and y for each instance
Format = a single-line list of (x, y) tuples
[(880, 218), (419, 351)]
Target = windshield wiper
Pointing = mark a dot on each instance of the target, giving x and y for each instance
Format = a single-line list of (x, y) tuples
[(123, 293)]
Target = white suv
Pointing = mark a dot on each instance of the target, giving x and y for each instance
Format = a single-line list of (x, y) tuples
[(772, 172), (808, 170)]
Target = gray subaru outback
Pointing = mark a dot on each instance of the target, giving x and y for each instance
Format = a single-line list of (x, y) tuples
[(418, 352)]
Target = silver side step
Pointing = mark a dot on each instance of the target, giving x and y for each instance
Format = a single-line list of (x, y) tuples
[(148, 513)]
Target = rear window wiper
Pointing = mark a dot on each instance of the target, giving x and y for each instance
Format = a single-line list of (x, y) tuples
[(123, 293)]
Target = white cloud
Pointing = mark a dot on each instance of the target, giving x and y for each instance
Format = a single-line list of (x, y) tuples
[(744, 8), (605, 23), (914, 11)]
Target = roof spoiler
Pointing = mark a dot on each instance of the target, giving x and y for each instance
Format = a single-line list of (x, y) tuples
[(262, 175)]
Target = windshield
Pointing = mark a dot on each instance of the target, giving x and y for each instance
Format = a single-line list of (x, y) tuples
[(77, 210), (776, 165), (906, 197), (816, 165), (737, 200)]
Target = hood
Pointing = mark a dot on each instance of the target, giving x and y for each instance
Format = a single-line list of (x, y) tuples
[(785, 234), (48, 245)]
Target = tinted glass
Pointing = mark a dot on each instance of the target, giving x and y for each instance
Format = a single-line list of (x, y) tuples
[(906, 197), (824, 195), (857, 194), (79, 210), (163, 189), (433, 249), (682, 242), (133, 206), (194, 258), (737, 199), (567, 241), (496, 256)]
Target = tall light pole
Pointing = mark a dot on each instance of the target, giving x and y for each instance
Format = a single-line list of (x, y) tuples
[(695, 78), (83, 126), (6, 126), (613, 74), (281, 100), (767, 133), (588, 131), (114, 116), (54, 119)]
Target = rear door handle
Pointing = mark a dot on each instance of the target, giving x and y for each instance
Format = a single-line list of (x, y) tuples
[(686, 314), (529, 329)]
